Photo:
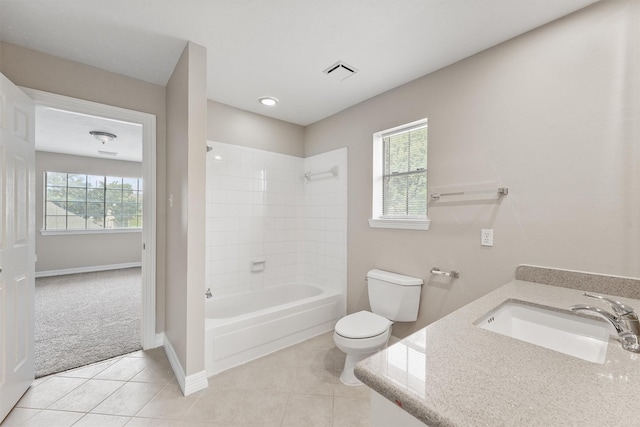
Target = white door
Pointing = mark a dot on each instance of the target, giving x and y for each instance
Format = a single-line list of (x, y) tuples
[(17, 244)]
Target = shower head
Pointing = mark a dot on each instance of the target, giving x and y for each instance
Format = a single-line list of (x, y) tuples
[(209, 148)]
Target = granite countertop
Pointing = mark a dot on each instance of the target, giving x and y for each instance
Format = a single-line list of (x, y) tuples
[(453, 373)]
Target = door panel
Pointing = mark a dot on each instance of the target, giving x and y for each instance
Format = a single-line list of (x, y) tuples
[(17, 243), (22, 320), (21, 202), (3, 197)]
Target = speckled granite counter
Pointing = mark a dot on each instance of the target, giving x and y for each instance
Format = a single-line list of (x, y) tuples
[(453, 373)]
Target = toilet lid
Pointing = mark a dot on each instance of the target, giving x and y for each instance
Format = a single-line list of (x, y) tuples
[(362, 324)]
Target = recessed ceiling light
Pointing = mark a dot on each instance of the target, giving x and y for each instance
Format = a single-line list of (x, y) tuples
[(269, 101)]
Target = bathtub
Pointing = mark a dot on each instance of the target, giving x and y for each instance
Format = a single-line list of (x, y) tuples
[(248, 325)]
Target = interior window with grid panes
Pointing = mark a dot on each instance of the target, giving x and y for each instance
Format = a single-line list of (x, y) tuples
[(91, 202)]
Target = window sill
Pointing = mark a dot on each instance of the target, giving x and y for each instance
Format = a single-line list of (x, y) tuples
[(91, 231), (406, 224)]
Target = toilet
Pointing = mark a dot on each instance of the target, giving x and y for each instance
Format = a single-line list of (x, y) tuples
[(393, 298)]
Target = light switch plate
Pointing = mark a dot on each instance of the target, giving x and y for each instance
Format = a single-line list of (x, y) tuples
[(486, 237)]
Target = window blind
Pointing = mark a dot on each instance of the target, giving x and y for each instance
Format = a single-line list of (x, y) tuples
[(404, 189)]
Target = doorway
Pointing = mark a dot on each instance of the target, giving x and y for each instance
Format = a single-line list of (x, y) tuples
[(148, 168)]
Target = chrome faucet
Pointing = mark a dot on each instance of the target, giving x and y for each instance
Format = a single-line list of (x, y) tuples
[(208, 293), (623, 318)]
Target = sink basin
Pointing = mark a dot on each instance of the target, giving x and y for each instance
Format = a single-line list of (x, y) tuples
[(565, 332)]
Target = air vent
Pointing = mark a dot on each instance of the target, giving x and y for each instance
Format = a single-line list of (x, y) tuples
[(340, 70), (107, 153)]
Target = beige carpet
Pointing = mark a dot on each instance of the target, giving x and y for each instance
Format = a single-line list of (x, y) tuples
[(85, 318)]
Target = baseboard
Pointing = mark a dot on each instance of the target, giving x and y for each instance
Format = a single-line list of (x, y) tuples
[(90, 269), (160, 339), (157, 341), (196, 382), (189, 384)]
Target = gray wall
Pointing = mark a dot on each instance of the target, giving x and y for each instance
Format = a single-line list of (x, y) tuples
[(186, 144), (233, 126), (553, 114), (48, 73), (59, 252)]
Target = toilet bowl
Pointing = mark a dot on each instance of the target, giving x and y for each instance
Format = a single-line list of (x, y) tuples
[(360, 335)]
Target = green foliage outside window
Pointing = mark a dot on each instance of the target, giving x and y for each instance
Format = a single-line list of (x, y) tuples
[(80, 202), (404, 193)]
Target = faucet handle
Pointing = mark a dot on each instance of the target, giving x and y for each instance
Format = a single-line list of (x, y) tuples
[(619, 308)]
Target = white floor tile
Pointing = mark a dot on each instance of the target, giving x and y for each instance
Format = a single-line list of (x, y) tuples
[(124, 369), (95, 420), (87, 396), (297, 386), (18, 416), (47, 392), (128, 399), (49, 418)]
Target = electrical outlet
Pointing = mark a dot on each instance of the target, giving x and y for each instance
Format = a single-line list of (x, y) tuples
[(486, 237)]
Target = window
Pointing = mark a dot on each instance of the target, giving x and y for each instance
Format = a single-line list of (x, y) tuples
[(90, 202), (400, 177)]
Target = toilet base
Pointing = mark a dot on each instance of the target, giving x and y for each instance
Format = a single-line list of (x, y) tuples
[(348, 377), (357, 350)]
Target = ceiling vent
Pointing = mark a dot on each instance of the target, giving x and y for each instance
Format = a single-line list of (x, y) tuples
[(107, 153), (340, 71)]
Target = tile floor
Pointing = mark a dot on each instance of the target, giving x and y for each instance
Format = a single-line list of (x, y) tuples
[(295, 387)]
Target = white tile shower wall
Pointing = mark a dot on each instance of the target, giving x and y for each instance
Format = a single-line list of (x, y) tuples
[(325, 222), (260, 207), (255, 211)]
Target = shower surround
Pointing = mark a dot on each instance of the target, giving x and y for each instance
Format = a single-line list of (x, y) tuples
[(268, 226), (260, 207)]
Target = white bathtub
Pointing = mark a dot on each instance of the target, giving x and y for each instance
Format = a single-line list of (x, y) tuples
[(245, 326)]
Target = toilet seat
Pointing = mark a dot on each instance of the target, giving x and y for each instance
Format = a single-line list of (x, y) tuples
[(362, 324)]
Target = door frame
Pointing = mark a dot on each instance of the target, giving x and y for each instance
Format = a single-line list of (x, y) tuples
[(148, 121)]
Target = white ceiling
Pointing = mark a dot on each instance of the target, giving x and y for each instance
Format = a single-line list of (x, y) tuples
[(276, 47), (66, 132)]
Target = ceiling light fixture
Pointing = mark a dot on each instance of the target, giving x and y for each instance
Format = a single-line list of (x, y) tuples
[(269, 101), (103, 137)]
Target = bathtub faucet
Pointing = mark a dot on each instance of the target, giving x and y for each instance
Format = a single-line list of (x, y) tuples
[(208, 293)]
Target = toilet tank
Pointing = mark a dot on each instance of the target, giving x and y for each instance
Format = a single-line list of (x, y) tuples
[(394, 296)]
